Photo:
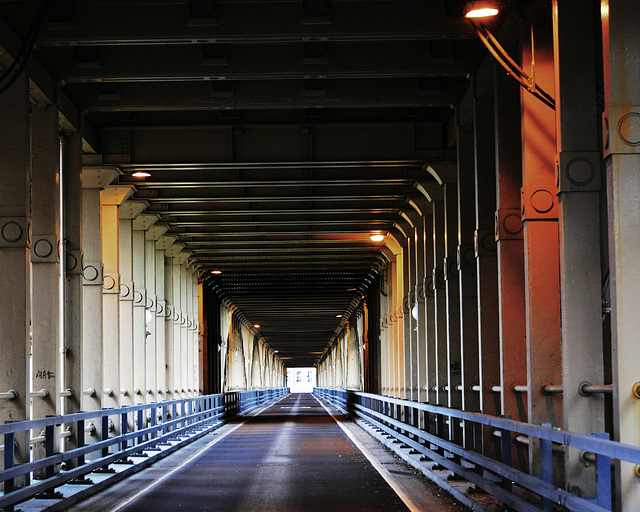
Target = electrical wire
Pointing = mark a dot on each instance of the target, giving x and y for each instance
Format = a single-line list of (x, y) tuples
[(15, 69), (512, 68)]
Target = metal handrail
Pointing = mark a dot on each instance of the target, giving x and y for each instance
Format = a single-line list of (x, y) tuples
[(195, 415), (383, 413)]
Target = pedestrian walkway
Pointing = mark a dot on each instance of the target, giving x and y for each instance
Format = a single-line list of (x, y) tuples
[(292, 456)]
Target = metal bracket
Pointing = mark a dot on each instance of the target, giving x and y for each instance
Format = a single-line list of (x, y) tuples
[(73, 262), (484, 242), (538, 203), (92, 273), (45, 249), (578, 171), (139, 296), (466, 257), (127, 291), (15, 232), (508, 224), (111, 283), (621, 130)]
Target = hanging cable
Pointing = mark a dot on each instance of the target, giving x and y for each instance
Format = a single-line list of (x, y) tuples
[(15, 69), (512, 68)]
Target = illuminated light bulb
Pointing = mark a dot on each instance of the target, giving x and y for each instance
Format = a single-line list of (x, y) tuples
[(377, 238), (141, 174), (481, 9), (257, 326), (216, 272)]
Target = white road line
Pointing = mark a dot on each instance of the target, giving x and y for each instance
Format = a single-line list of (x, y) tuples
[(386, 474), (155, 483)]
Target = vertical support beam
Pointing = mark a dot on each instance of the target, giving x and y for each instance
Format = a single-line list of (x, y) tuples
[(486, 250), (440, 301), (579, 179), (450, 264), (72, 253), (177, 338), (510, 247), (15, 170), (621, 45), (111, 199), (159, 319), (539, 207), (467, 273), (410, 334), (45, 270), (128, 354), (93, 180), (168, 328)]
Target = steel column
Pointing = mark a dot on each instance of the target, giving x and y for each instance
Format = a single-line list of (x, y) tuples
[(440, 302), (579, 179), (14, 256), (621, 44), (539, 207), (45, 270)]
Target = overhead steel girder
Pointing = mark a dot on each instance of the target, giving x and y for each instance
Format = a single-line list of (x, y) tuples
[(224, 95), (98, 23), (378, 144), (264, 62)]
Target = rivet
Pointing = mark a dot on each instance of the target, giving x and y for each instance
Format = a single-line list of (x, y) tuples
[(636, 470), (542, 201), (43, 248), (90, 273), (629, 129), (635, 389), (580, 171)]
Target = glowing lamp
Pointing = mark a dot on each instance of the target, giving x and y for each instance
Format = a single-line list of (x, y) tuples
[(141, 174), (216, 272), (481, 9), (377, 238)]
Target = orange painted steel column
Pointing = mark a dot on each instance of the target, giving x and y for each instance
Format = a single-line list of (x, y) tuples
[(510, 252), (540, 220)]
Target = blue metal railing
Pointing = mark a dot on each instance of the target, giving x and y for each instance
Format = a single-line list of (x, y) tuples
[(400, 418), (141, 427)]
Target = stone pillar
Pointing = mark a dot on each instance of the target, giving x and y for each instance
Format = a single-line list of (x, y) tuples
[(93, 180), (111, 199), (45, 271), (14, 256), (621, 43), (579, 179)]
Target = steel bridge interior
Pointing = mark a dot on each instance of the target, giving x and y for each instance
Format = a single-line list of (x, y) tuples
[(188, 191)]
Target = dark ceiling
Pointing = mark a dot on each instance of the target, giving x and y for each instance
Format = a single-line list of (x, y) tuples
[(279, 134)]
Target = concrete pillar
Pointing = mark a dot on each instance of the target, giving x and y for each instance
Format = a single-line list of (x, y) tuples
[(93, 180), (579, 179), (161, 306), (621, 43), (111, 199), (410, 363), (139, 226), (14, 255), (128, 212), (45, 271)]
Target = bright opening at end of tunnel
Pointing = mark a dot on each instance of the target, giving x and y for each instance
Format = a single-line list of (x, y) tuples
[(301, 380)]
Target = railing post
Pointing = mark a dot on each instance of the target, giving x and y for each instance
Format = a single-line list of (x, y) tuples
[(49, 443), (104, 432), (9, 456), (603, 477), (505, 451), (546, 469), (140, 424), (154, 420), (124, 428), (164, 419), (80, 442)]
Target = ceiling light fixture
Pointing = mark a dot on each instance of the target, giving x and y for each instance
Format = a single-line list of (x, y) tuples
[(481, 9), (141, 174), (216, 272), (377, 237), (257, 326)]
